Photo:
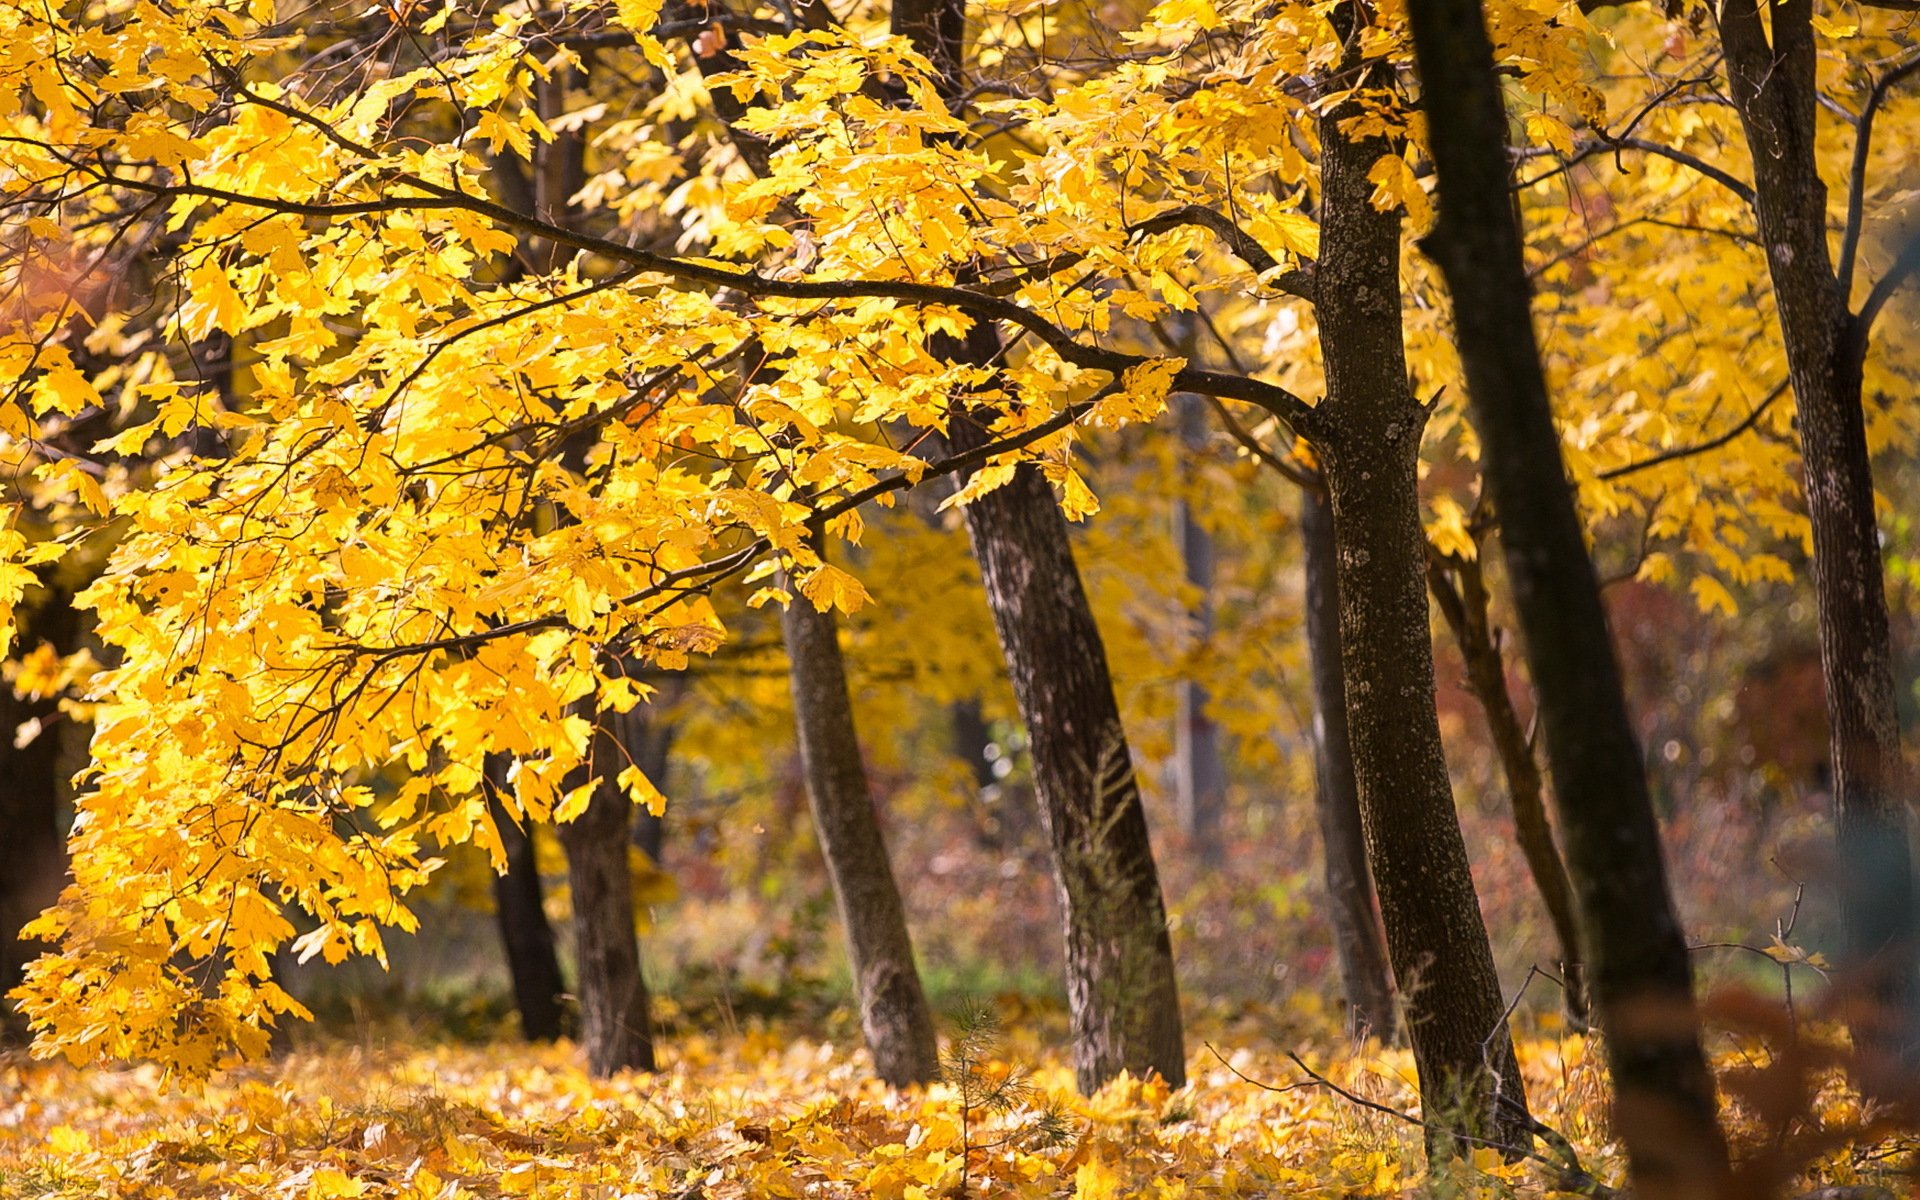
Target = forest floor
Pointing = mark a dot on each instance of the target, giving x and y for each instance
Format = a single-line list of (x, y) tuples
[(772, 1112)]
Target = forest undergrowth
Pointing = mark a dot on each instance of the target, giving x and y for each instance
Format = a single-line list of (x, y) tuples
[(767, 1111)]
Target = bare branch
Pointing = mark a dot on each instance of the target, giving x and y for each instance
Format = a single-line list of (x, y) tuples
[(1857, 173), (1711, 444), (1904, 266)]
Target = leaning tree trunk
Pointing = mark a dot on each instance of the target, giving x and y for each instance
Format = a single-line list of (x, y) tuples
[(1357, 940), (1465, 608), (614, 1022), (893, 1005), (519, 907), (33, 851), (1200, 782), (1774, 89), (1456, 1019), (1665, 1110), (1121, 989)]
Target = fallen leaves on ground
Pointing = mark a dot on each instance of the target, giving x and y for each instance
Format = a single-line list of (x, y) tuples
[(756, 1115)]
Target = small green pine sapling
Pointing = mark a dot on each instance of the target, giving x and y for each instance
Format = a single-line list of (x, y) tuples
[(986, 1087)]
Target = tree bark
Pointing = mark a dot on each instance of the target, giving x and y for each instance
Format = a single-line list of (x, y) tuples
[(1665, 1110), (33, 848), (1774, 89), (1357, 941), (893, 1006), (1200, 782), (533, 965), (1121, 989), (615, 1025), (1465, 608), (1437, 941)]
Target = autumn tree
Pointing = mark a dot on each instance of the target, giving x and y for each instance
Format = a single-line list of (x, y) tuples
[(322, 633), (1357, 940), (519, 904), (1664, 1097), (32, 854), (1771, 67)]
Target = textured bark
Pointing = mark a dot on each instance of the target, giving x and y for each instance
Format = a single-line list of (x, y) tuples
[(893, 1005), (1358, 942), (614, 1022), (1436, 938), (1665, 1110), (33, 849), (533, 965), (1464, 605), (1773, 87), (1200, 778), (1121, 989)]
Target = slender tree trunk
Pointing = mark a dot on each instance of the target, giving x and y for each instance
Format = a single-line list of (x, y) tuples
[(1774, 89), (615, 1025), (1665, 1111), (33, 850), (893, 1006), (1436, 939), (1006, 818), (1200, 781), (652, 751), (532, 963), (1465, 609), (1357, 940), (1121, 988)]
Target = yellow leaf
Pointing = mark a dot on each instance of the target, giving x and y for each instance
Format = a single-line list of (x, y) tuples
[(1711, 594), (1550, 130), (1077, 499), (828, 587)]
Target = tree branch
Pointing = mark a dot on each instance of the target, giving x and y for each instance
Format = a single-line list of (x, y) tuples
[(1724, 178), (1857, 173), (1903, 267), (1711, 444)]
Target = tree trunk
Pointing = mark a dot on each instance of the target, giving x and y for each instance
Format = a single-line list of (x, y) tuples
[(652, 750), (33, 849), (1357, 940), (1456, 1019), (1774, 89), (1200, 782), (614, 1022), (1121, 988), (893, 1006), (1465, 609), (1665, 1110), (518, 905)]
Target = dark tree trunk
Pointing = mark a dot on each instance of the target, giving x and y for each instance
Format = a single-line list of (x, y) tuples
[(1665, 1110), (1456, 1019), (1120, 981), (1465, 608), (893, 1005), (1200, 782), (1774, 89), (33, 850), (518, 905), (1357, 940), (615, 1025), (652, 751), (1005, 817), (1121, 990)]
